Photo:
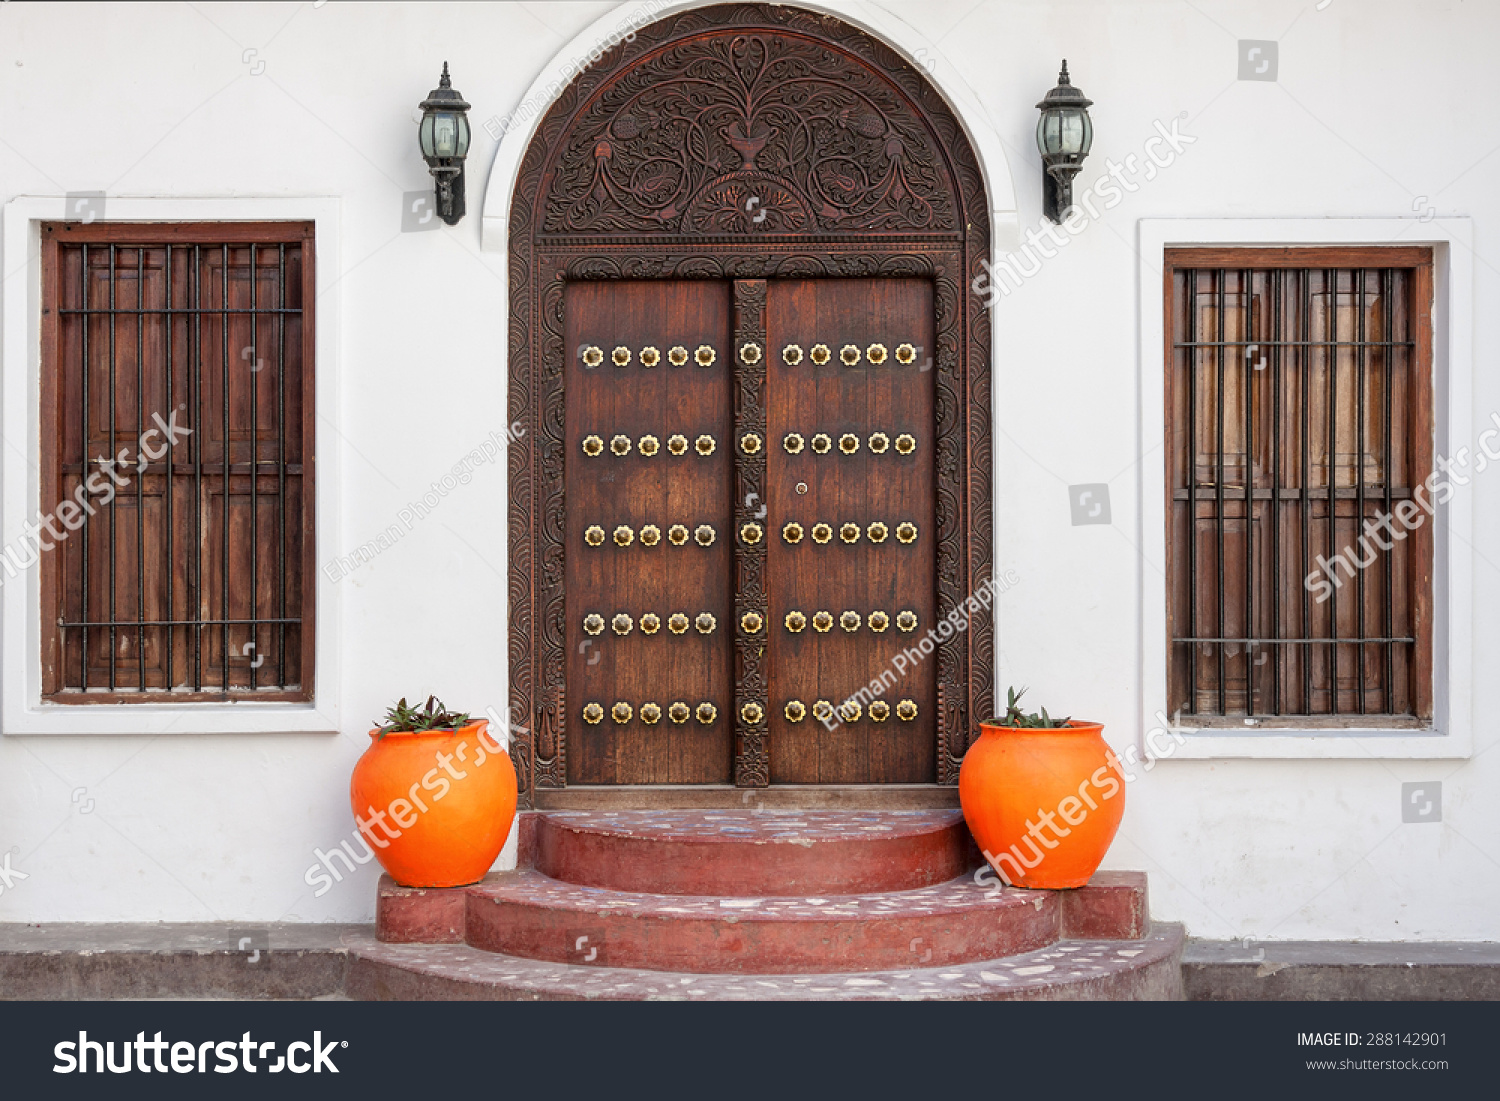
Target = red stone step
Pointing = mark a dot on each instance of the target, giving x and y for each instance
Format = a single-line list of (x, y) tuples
[(531, 915), (747, 853), (419, 915), (1111, 907), (1148, 969)]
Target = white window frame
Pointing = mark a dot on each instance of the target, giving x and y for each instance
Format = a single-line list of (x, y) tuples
[(1451, 733), (22, 710)]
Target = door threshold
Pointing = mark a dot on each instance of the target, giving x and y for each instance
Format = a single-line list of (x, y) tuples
[(727, 797)]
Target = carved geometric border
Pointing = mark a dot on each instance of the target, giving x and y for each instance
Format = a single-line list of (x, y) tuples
[(752, 761), (538, 271)]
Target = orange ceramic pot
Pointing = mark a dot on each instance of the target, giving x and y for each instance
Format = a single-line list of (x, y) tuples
[(1043, 804), (435, 806)]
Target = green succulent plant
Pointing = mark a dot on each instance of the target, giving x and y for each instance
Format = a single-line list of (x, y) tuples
[(401, 718), (1015, 717)]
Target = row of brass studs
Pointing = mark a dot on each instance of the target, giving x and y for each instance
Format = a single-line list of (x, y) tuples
[(849, 532), (752, 714), (849, 354), (621, 445), (850, 711), (751, 533), (822, 443), (704, 535), (822, 622), (621, 623), (751, 622), (621, 356), (651, 713)]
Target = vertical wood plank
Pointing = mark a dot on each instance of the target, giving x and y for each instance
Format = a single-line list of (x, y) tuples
[(631, 491), (1423, 451), (51, 434), (857, 488)]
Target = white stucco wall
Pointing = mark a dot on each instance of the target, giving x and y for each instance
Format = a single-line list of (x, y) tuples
[(1378, 112)]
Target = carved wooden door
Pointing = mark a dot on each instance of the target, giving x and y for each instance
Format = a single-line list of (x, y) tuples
[(749, 533), (746, 153)]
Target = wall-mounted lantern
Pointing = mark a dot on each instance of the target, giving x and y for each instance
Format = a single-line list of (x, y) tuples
[(1063, 136), (444, 136)]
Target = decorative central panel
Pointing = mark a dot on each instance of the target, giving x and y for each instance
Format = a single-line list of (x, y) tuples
[(756, 134)]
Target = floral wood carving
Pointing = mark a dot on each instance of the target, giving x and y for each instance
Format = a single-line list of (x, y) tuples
[(750, 133), (645, 168)]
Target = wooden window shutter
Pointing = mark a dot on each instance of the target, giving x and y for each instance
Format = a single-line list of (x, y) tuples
[(176, 462), (1299, 431)]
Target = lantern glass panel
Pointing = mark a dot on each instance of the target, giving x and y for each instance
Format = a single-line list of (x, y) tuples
[(463, 135), (424, 135), (1064, 132), (445, 134)]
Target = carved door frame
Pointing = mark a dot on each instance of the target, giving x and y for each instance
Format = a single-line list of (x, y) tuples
[(866, 172)]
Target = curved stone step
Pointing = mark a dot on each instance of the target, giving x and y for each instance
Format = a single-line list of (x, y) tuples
[(530, 915), (752, 853), (1143, 970)]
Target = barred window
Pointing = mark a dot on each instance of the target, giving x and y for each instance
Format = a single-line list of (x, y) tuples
[(1300, 532), (175, 527)]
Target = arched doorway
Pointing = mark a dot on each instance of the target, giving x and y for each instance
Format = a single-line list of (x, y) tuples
[(749, 179)]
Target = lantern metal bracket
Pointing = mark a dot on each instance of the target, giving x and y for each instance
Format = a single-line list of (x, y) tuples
[(449, 187), (1057, 190)]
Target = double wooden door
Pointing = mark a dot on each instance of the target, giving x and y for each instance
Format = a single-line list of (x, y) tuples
[(749, 550)]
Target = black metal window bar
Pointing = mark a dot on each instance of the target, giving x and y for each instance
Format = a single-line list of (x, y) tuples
[(1290, 422), (238, 632)]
